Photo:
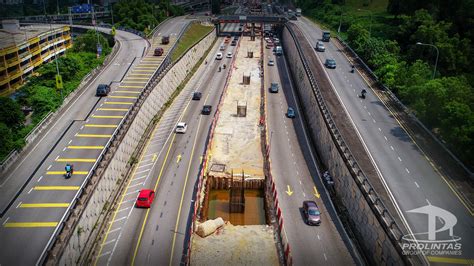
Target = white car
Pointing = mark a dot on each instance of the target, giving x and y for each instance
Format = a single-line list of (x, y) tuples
[(271, 62), (229, 55), (218, 56), (181, 127)]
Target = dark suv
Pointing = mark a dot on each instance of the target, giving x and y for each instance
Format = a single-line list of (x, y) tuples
[(206, 109), (274, 88), (102, 90), (311, 213), (197, 95)]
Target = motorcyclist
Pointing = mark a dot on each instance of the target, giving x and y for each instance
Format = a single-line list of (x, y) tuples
[(69, 169), (224, 66), (219, 69), (352, 70), (362, 93)]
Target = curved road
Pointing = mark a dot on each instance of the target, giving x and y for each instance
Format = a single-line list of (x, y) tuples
[(412, 182), (78, 136)]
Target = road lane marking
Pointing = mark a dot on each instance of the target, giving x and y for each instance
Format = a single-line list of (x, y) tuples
[(178, 158), (107, 116), (112, 109), (148, 164), (39, 179), (154, 157), (133, 192), (148, 210), (417, 185), (76, 160), (123, 97), (121, 210), (49, 167), (400, 159), (115, 230), (30, 225), (18, 205), (93, 135), (147, 170), (316, 193), (391, 147), (6, 220), (288, 190), (64, 172), (137, 78), (131, 86), (85, 147), (109, 242), (100, 126), (44, 205), (119, 103), (130, 92), (56, 187), (406, 169)]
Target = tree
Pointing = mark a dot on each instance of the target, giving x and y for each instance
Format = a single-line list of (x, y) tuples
[(11, 114), (88, 42), (6, 140), (137, 14)]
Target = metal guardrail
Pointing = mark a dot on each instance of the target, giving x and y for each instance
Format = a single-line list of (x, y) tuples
[(374, 201), (129, 116), (407, 110)]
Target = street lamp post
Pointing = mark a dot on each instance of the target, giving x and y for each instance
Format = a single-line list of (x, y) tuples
[(437, 55), (370, 25)]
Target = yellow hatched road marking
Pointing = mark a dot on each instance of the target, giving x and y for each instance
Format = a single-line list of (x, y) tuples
[(85, 147), (94, 135), (107, 116), (131, 92), (131, 86), (100, 126), (76, 160), (63, 172), (137, 78), (37, 224), (145, 67), (135, 74), (112, 109), (56, 187), (450, 260), (123, 97), (122, 103), (128, 81), (44, 205), (144, 71)]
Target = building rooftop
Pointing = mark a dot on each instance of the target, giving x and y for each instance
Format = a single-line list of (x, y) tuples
[(15, 37)]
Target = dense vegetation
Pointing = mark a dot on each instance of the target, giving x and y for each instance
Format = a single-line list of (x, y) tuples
[(40, 94), (193, 34), (385, 36)]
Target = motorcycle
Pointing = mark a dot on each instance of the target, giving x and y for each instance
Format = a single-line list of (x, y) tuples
[(353, 68), (68, 175), (362, 94)]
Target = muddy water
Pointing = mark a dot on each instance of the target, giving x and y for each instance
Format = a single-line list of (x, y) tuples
[(254, 207)]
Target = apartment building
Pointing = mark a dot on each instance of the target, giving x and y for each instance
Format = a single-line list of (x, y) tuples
[(24, 49)]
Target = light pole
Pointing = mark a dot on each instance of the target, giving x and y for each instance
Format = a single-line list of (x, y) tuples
[(437, 55), (370, 25)]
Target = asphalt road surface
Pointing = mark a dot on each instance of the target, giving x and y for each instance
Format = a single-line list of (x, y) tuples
[(297, 180), (170, 166), (411, 181), (78, 137)]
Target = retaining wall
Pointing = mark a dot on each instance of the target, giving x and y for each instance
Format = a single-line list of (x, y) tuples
[(375, 229), (116, 165)]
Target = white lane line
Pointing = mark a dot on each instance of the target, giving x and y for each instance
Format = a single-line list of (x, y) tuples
[(147, 170), (365, 107), (319, 237), (57, 157), (125, 201), (49, 167), (69, 142), (123, 209), (64, 149), (109, 242), (143, 161), (30, 190), (391, 147), (118, 220), (325, 258), (380, 129), (417, 185), (373, 120), (18, 205), (385, 138), (297, 173), (104, 254), (39, 179), (151, 154), (429, 203), (82, 127), (136, 185), (301, 183), (369, 113), (400, 159), (6, 220), (138, 178), (148, 164), (304, 195), (406, 169), (115, 230), (129, 193)]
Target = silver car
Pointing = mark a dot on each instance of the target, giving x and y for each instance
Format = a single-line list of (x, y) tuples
[(320, 46)]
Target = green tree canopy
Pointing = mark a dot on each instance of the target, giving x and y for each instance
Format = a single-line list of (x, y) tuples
[(10, 113)]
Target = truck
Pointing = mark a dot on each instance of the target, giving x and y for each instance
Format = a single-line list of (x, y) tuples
[(326, 36), (298, 12), (165, 39)]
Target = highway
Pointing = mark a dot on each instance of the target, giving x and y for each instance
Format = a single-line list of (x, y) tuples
[(407, 175), (294, 171), (170, 165), (78, 136)]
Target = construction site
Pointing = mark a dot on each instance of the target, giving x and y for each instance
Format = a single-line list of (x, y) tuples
[(232, 226)]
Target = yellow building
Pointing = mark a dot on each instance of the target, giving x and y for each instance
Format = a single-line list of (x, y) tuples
[(24, 49)]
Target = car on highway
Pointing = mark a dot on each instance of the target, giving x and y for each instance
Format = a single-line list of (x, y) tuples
[(330, 63), (145, 198), (102, 90), (219, 56), (197, 95), (269, 45), (320, 46), (311, 213), (290, 113), (274, 87), (233, 43), (158, 51), (229, 55), (222, 48), (271, 62), (181, 127), (206, 109)]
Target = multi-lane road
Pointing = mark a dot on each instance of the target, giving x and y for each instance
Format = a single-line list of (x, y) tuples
[(78, 136), (409, 178)]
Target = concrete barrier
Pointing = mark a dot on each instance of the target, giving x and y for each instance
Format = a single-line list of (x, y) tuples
[(374, 227), (80, 231)]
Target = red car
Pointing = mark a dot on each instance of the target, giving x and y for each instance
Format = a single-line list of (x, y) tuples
[(145, 198)]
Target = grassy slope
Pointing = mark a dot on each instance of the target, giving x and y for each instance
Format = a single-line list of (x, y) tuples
[(192, 35)]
